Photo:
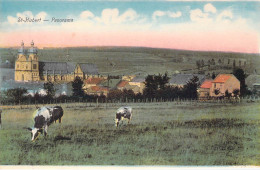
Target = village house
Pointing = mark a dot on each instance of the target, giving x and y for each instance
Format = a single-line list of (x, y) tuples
[(204, 89), (128, 77), (223, 83), (92, 81), (137, 84), (29, 68), (97, 90), (253, 83), (122, 85), (91, 86)]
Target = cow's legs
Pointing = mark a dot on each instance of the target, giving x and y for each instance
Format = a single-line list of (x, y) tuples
[(45, 130), (60, 120), (129, 119)]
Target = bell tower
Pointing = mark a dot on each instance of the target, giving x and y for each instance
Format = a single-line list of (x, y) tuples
[(33, 62), (20, 64), (27, 64)]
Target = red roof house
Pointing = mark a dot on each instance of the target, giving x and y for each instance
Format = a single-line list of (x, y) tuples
[(122, 84), (204, 89), (223, 83)]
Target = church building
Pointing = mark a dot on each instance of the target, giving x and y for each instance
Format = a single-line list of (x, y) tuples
[(29, 68)]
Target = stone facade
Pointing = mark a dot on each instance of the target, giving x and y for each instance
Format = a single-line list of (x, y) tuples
[(29, 68)]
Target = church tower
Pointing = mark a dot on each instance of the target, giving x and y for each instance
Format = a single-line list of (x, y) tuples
[(27, 64)]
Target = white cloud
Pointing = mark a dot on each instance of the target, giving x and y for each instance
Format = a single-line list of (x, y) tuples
[(197, 15), (41, 15), (210, 8), (111, 16), (170, 14), (129, 15), (108, 20), (86, 15), (158, 14), (174, 15), (11, 20), (225, 16)]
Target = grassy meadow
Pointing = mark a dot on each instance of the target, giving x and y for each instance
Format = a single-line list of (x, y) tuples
[(137, 60), (159, 134)]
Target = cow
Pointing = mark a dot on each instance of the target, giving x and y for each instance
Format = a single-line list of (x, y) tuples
[(121, 113), (43, 118)]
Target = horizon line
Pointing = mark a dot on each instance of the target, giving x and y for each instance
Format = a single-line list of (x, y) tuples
[(42, 47)]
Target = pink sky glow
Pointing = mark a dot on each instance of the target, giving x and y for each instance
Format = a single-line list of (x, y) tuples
[(239, 41)]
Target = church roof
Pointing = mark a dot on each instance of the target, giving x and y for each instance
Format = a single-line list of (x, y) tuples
[(89, 68), (67, 68), (57, 67)]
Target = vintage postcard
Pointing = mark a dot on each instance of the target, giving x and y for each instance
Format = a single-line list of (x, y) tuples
[(129, 84)]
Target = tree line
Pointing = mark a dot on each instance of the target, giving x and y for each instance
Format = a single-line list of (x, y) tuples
[(156, 88)]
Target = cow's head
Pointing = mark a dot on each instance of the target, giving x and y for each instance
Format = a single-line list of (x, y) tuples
[(35, 132)]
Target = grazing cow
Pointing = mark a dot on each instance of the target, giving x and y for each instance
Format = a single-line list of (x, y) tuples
[(45, 116), (123, 112)]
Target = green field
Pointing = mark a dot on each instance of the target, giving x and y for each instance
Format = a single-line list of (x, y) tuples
[(138, 60), (159, 134)]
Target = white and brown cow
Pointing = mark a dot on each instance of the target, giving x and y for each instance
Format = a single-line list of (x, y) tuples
[(123, 113), (43, 117)]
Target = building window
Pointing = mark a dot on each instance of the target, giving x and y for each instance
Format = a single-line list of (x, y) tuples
[(34, 66), (26, 66), (215, 85)]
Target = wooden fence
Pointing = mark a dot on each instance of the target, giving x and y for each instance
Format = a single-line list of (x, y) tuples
[(139, 103)]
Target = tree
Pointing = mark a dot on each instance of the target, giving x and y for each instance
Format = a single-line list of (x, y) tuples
[(236, 92), (202, 63), (77, 85), (198, 64), (213, 76), (16, 95), (49, 87), (216, 91), (241, 76), (227, 94), (150, 86), (129, 94), (163, 81), (190, 89), (153, 83)]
